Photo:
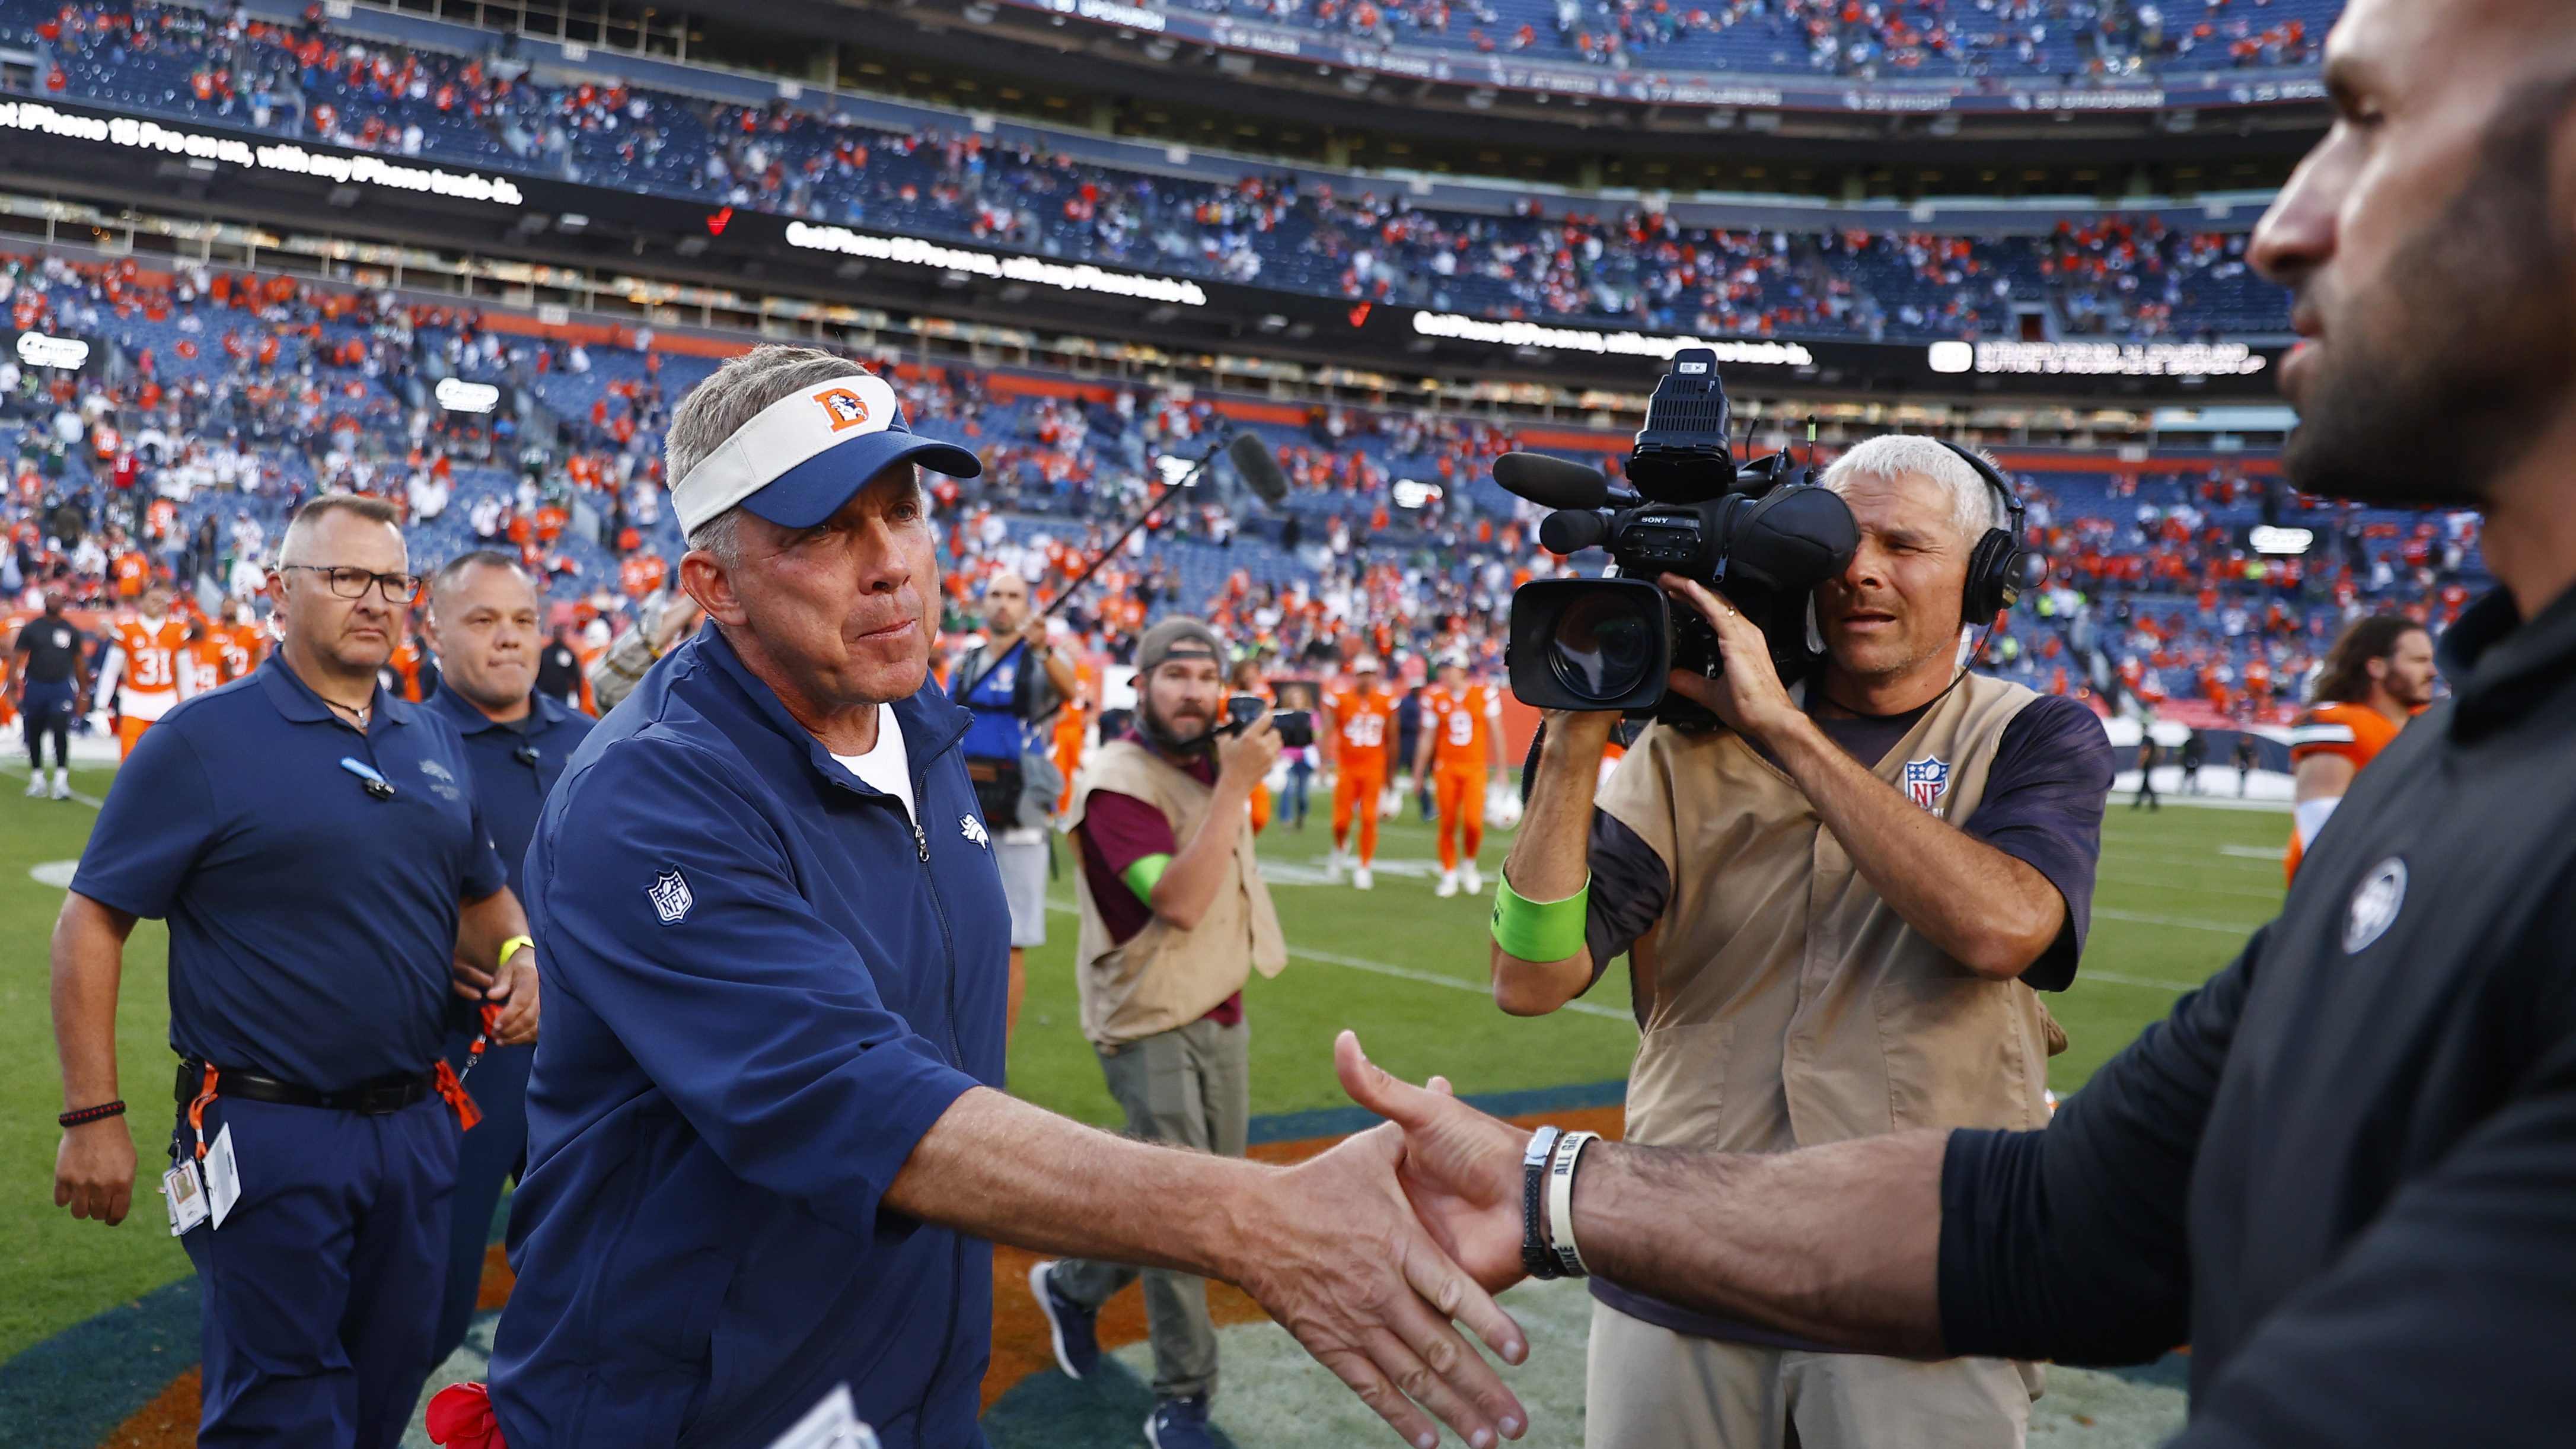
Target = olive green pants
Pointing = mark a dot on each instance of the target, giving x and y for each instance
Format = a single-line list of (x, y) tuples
[(1192, 1087)]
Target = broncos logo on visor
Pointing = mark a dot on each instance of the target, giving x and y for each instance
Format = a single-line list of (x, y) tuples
[(845, 408)]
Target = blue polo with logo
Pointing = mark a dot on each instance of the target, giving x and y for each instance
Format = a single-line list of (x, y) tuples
[(763, 983), (311, 923)]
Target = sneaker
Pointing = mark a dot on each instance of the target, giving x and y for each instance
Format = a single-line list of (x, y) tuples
[(62, 788), (1333, 866), (1361, 879), (1073, 1328), (36, 786), (1180, 1424), (1448, 885), (1473, 879)]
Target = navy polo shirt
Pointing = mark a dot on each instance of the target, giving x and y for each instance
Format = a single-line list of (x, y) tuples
[(515, 765), (311, 925), (763, 984)]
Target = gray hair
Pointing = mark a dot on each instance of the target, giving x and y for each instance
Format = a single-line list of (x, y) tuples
[(717, 408), (367, 506), (1893, 456)]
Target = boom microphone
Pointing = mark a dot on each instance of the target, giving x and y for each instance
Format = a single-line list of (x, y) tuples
[(1251, 458), (1552, 482)]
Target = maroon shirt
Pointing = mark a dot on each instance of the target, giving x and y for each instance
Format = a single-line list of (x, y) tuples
[(1116, 832)]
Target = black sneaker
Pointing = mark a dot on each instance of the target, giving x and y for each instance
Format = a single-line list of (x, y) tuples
[(1180, 1424), (1073, 1328)]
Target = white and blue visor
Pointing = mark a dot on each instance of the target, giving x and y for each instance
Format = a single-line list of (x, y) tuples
[(802, 457)]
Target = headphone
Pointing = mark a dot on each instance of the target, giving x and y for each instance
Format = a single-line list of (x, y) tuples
[(1999, 565)]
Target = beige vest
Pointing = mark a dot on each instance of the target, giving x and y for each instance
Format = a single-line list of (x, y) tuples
[(1163, 978), (1790, 1005)]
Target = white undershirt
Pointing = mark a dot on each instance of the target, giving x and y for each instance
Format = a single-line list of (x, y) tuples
[(887, 767)]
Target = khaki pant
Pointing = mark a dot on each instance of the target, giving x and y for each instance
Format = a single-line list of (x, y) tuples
[(1652, 1388), (1190, 1086)]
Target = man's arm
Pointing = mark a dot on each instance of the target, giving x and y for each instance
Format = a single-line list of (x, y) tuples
[(94, 1166), (482, 928), (1181, 893), (1371, 1299), (1991, 912), (1550, 859)]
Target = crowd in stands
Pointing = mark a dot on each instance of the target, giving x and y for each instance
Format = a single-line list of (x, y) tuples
[(2115, 278), (218, 400)]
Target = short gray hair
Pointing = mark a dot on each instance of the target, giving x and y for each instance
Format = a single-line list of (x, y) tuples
[(717, 408), (481, 558), (1973, 506), (365, 505)]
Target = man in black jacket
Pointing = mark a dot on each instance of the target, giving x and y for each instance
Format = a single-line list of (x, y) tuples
[(2345, 1170)]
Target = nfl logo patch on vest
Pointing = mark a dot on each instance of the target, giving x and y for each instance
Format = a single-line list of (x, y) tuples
[(671, 898), (1925, 779)]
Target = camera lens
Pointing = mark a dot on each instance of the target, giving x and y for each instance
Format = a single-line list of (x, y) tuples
[(1603, 645)]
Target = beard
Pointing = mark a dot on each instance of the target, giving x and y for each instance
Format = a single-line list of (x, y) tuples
[(1160, 733), (2449, 369)]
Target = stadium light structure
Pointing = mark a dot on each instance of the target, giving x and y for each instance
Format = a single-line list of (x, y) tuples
[(459, 396), (40, 349)]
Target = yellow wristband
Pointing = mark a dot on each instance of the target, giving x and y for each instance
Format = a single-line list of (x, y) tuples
[(1540, 930), (510, 945)]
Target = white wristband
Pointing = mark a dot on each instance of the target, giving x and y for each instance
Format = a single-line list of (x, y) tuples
[(1560, 1201)]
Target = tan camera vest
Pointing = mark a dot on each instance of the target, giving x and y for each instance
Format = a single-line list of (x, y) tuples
[(1789, 1004), (1163, 978)]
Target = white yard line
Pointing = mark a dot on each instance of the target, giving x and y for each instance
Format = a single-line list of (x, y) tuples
[(2116, 979), (2188, 923), (1406, 973)]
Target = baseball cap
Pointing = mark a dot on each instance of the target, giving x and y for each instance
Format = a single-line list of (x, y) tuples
[(1177, 637), (802, 457)]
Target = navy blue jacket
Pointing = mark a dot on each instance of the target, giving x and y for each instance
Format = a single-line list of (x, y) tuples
[(763, 984)]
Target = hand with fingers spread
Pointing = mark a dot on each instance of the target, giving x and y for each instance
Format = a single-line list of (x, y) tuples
[(1747, 693), (1370, 1293), (1461, 1169)]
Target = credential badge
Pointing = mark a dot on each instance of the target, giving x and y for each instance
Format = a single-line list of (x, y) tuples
[(1925, 779), (2375, 904), (973, 829), (671, 898)]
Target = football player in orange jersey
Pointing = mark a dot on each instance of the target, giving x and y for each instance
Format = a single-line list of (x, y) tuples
[(146, 661), (245, 641), (2377, 676), (1460, 753), (1357, 723), (201, 658)]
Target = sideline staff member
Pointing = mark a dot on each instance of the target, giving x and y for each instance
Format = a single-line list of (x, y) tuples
[(49, 672), (1175, 918), (1836, 911), (1013, 704), (2341, 1171), (321, 863), (484, 628), (765, 1135)]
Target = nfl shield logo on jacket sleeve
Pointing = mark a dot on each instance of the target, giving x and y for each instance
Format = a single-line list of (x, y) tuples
[(671, 898), (1925, 779)]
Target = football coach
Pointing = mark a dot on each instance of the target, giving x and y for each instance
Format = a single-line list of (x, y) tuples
[(766, 1136), (2343, 1171)]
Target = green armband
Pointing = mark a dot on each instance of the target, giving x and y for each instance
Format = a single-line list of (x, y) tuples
[(1142, 876), (1540, 930)]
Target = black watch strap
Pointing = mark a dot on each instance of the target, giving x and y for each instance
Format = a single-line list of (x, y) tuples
[(1535, 1257)]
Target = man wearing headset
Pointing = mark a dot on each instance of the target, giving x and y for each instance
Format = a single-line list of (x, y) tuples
[(1838, 910)]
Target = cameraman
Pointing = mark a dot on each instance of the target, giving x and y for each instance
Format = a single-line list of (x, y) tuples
[(1836, 910), (1174, 918), (1013, 683)]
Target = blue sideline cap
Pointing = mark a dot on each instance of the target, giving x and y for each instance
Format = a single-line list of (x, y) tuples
[(802, 457)]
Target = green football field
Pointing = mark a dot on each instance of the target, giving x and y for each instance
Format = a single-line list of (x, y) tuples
[(2179, 891)]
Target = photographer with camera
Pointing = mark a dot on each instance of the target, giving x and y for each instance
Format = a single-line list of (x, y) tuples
[(1013, 684), (1839, 905), (1174, 918)]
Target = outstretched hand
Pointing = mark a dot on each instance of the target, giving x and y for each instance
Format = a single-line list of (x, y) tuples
[(1461, 1169), (1351, 1273)]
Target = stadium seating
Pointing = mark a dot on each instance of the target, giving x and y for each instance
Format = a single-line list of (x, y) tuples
[(2107, 278)]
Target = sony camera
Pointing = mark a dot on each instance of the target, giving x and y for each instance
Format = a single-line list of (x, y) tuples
[(1762, 535), (1296, 727)]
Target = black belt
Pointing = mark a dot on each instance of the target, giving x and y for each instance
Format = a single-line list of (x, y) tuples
[(375, 1099)]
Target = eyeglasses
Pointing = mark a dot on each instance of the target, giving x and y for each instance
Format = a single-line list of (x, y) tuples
[(352, 583)]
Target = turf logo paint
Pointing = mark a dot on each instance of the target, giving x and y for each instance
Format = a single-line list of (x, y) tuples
[(1925, 779), (2375, 904), (671, 898)]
